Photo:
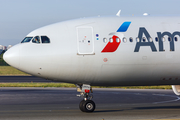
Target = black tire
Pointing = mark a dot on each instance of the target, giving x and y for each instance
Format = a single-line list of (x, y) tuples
[(88, 106), (81, 106)]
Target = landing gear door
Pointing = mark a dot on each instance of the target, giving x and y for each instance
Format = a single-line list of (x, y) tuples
[(85, 40)]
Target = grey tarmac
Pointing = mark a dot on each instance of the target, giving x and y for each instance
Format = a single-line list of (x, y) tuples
[(111, 104)]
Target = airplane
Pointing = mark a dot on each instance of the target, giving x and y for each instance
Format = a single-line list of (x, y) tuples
[(103, 51)]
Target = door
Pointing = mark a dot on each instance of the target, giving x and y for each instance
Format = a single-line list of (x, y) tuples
[(85, 40)]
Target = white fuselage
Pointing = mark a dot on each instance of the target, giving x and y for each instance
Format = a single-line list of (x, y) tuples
[(74, 54)]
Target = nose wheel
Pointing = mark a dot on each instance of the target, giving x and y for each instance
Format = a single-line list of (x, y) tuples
[(86, 105)]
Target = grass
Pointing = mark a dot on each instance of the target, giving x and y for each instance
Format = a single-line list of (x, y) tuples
[(2, 62), (36, 85), (8, 70), (73, 86), (5, 69), (147, 87)]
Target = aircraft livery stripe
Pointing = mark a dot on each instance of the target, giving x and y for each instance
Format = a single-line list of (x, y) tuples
[(124, 27), (112, 46)]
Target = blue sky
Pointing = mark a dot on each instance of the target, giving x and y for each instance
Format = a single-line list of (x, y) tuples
[(19, 17)]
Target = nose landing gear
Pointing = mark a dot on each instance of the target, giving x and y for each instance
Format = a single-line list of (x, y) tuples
[(86, 105)]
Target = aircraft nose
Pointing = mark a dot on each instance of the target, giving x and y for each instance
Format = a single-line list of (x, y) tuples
[(12, 56)]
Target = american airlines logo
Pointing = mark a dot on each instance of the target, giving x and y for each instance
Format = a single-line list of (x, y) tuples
[(145, 40), (159, 38), (113, 44)]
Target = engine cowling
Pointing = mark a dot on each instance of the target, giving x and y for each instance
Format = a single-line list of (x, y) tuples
[(176, 89)]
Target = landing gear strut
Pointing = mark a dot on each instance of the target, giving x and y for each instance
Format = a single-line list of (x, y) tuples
[(86, 105)]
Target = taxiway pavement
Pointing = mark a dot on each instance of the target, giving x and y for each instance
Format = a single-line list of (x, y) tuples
[(111, 104)]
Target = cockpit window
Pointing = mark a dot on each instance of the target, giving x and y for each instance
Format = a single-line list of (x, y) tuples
[(26, 39), (36, 39), (45, 39)]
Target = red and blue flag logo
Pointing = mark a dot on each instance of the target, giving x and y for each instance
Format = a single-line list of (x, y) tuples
[(114, 44)]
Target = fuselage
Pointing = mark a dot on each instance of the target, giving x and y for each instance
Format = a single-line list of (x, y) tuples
[(147, 53)]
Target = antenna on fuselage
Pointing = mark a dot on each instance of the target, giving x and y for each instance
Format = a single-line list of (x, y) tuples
[(118, 14)]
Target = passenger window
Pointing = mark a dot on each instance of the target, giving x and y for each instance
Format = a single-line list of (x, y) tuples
[(150, 39), (131, 39), (169, 39), (110, 40), (45, 39), (156, 39), (105, 40), (36, 39), (117, 40), (124, 40), (176, 39), (144, 39), (26, 39), (137, 39), (163, 39)]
